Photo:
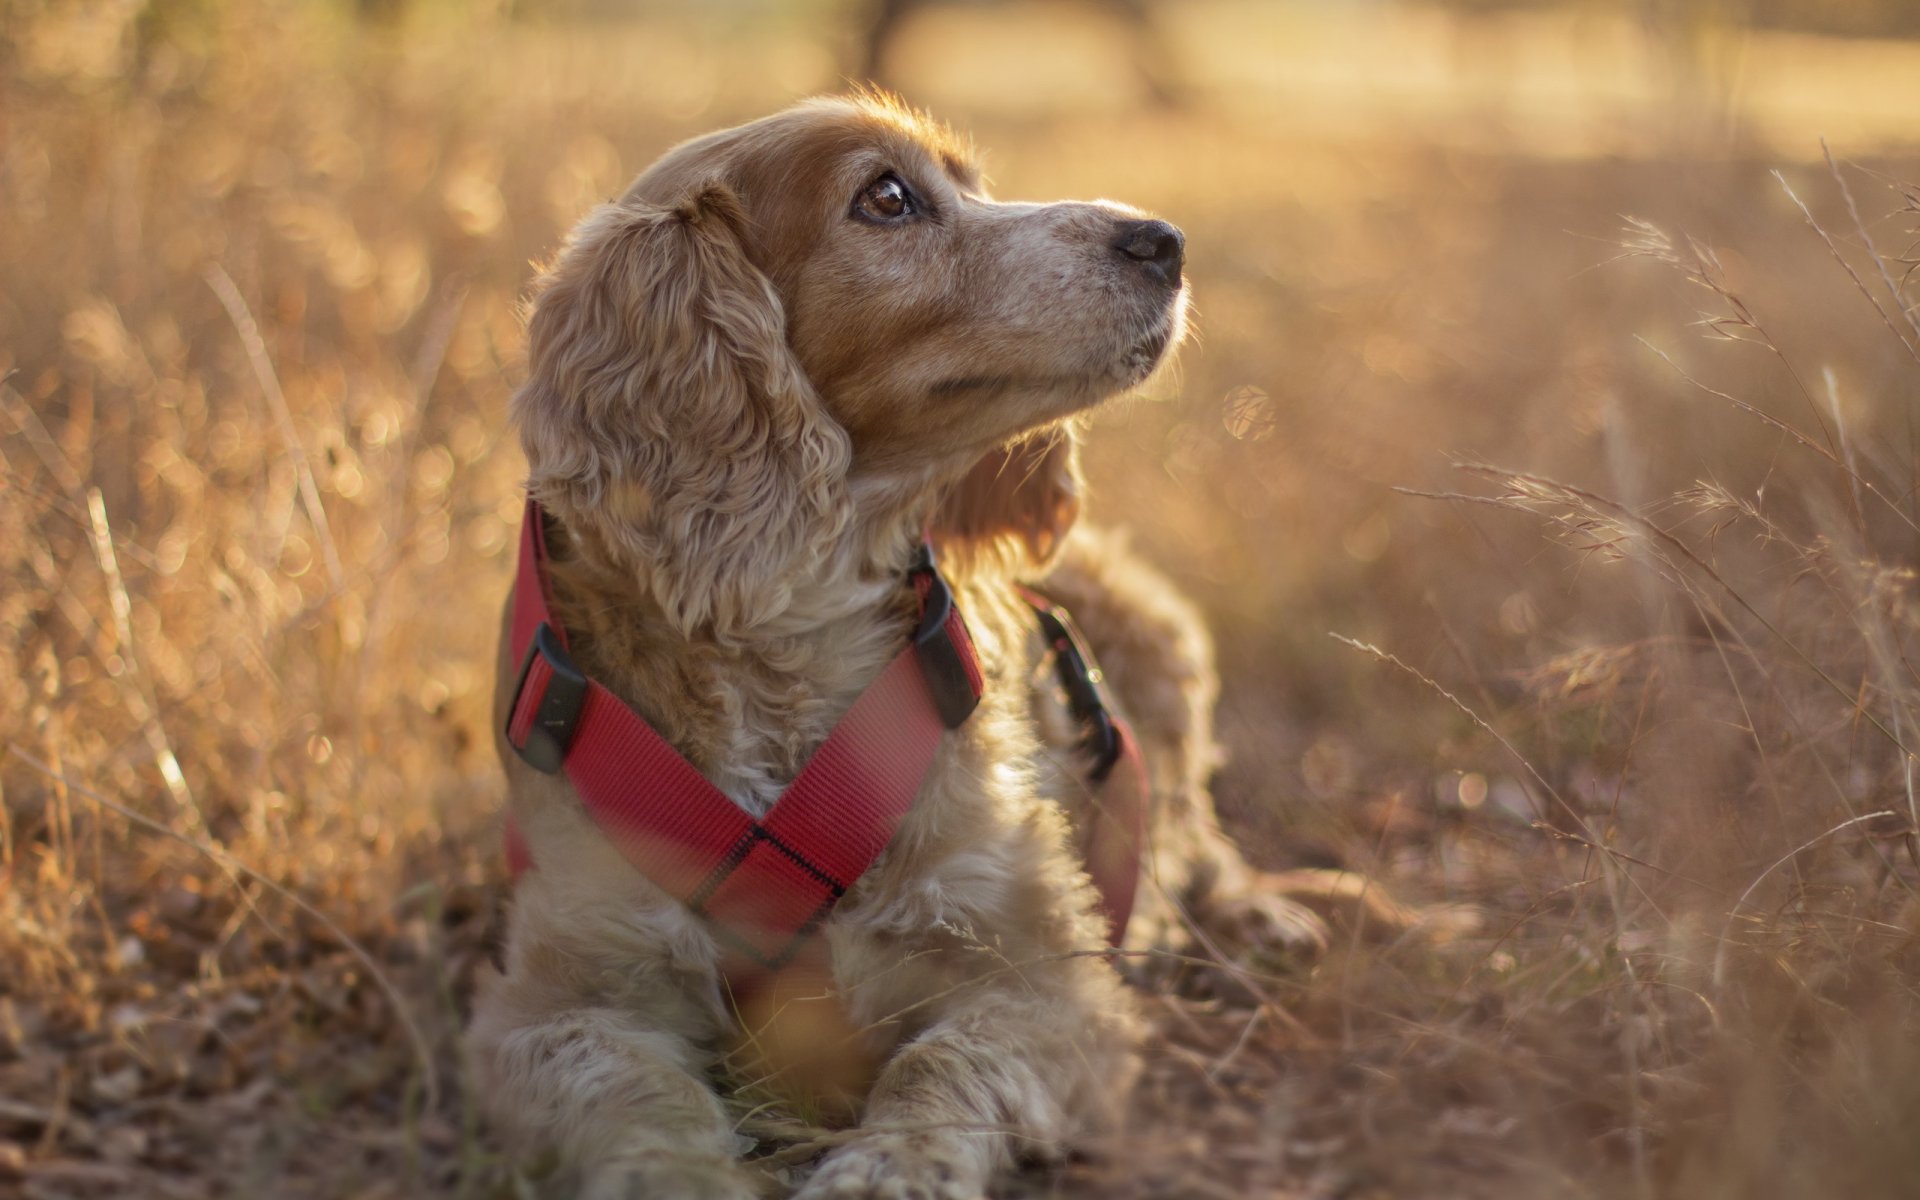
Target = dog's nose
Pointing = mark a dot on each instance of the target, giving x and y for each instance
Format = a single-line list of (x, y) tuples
[(1156, 245)]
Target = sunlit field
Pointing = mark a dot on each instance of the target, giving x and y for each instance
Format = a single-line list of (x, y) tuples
[(1545, 460)]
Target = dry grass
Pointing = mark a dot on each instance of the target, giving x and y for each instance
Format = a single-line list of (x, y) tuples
[(255, 507)]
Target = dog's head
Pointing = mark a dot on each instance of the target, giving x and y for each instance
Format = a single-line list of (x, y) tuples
[(783, 321)]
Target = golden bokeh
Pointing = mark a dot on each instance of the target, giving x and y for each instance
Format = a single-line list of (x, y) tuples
[(1559, 358)]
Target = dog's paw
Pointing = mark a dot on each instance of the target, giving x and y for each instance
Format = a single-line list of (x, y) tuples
[(680, 1176), (895, 1167), (1362, 909), (1266, 923)]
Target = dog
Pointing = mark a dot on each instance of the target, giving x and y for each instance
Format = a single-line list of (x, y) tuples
[(790, 355)]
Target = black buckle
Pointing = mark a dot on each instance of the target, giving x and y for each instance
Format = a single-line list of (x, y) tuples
[(1081, 679), (940, 660), (552, 729)]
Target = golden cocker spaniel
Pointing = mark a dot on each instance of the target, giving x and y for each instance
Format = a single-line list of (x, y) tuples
[(755, 382)]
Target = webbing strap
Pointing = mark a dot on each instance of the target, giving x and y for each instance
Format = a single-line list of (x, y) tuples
[(1114, 840), (1116, 837)]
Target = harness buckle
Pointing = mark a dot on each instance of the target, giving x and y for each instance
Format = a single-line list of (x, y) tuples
[(1084, 684), (949, 668), (540, 726)]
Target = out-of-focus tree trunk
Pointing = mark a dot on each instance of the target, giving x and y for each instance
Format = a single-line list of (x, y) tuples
[(1152, 62)]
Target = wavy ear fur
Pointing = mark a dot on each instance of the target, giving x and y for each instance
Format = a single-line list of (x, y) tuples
[(664, 417), (1019, 502)]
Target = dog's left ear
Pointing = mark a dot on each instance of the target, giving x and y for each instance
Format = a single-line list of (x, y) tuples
[(1019, 502), (664, 417)]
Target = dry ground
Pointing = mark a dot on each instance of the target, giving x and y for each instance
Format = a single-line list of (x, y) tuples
[(1639, 689)]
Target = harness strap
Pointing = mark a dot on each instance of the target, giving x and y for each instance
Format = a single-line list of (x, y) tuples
[(1114, 839), (763, 885)]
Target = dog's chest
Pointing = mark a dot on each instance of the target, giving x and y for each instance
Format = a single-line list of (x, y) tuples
[(751, 722)]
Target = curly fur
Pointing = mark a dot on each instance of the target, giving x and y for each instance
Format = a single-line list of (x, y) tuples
[(743, 406)]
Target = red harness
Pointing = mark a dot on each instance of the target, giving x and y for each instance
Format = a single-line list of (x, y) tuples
[(764, 886)]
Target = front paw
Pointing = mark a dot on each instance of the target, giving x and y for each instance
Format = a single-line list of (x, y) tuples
[(678, 1176), (896, 1167), (1264, 924), (1362, 909)]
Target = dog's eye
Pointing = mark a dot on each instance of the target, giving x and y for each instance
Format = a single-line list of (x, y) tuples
[(885, 199)]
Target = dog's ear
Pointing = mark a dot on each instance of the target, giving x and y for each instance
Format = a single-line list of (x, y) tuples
[(1018, 502), (664, 417)]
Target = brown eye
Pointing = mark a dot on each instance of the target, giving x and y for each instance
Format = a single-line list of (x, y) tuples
[(886, 199)]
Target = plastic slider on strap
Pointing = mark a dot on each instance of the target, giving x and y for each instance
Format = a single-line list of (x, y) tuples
[(944, 646), (1081, 679), (546, 703)]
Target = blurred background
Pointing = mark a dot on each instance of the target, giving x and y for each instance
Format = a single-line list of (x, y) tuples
[(1564, 356)]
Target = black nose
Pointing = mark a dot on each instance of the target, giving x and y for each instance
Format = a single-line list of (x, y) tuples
[(1158, 246)]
